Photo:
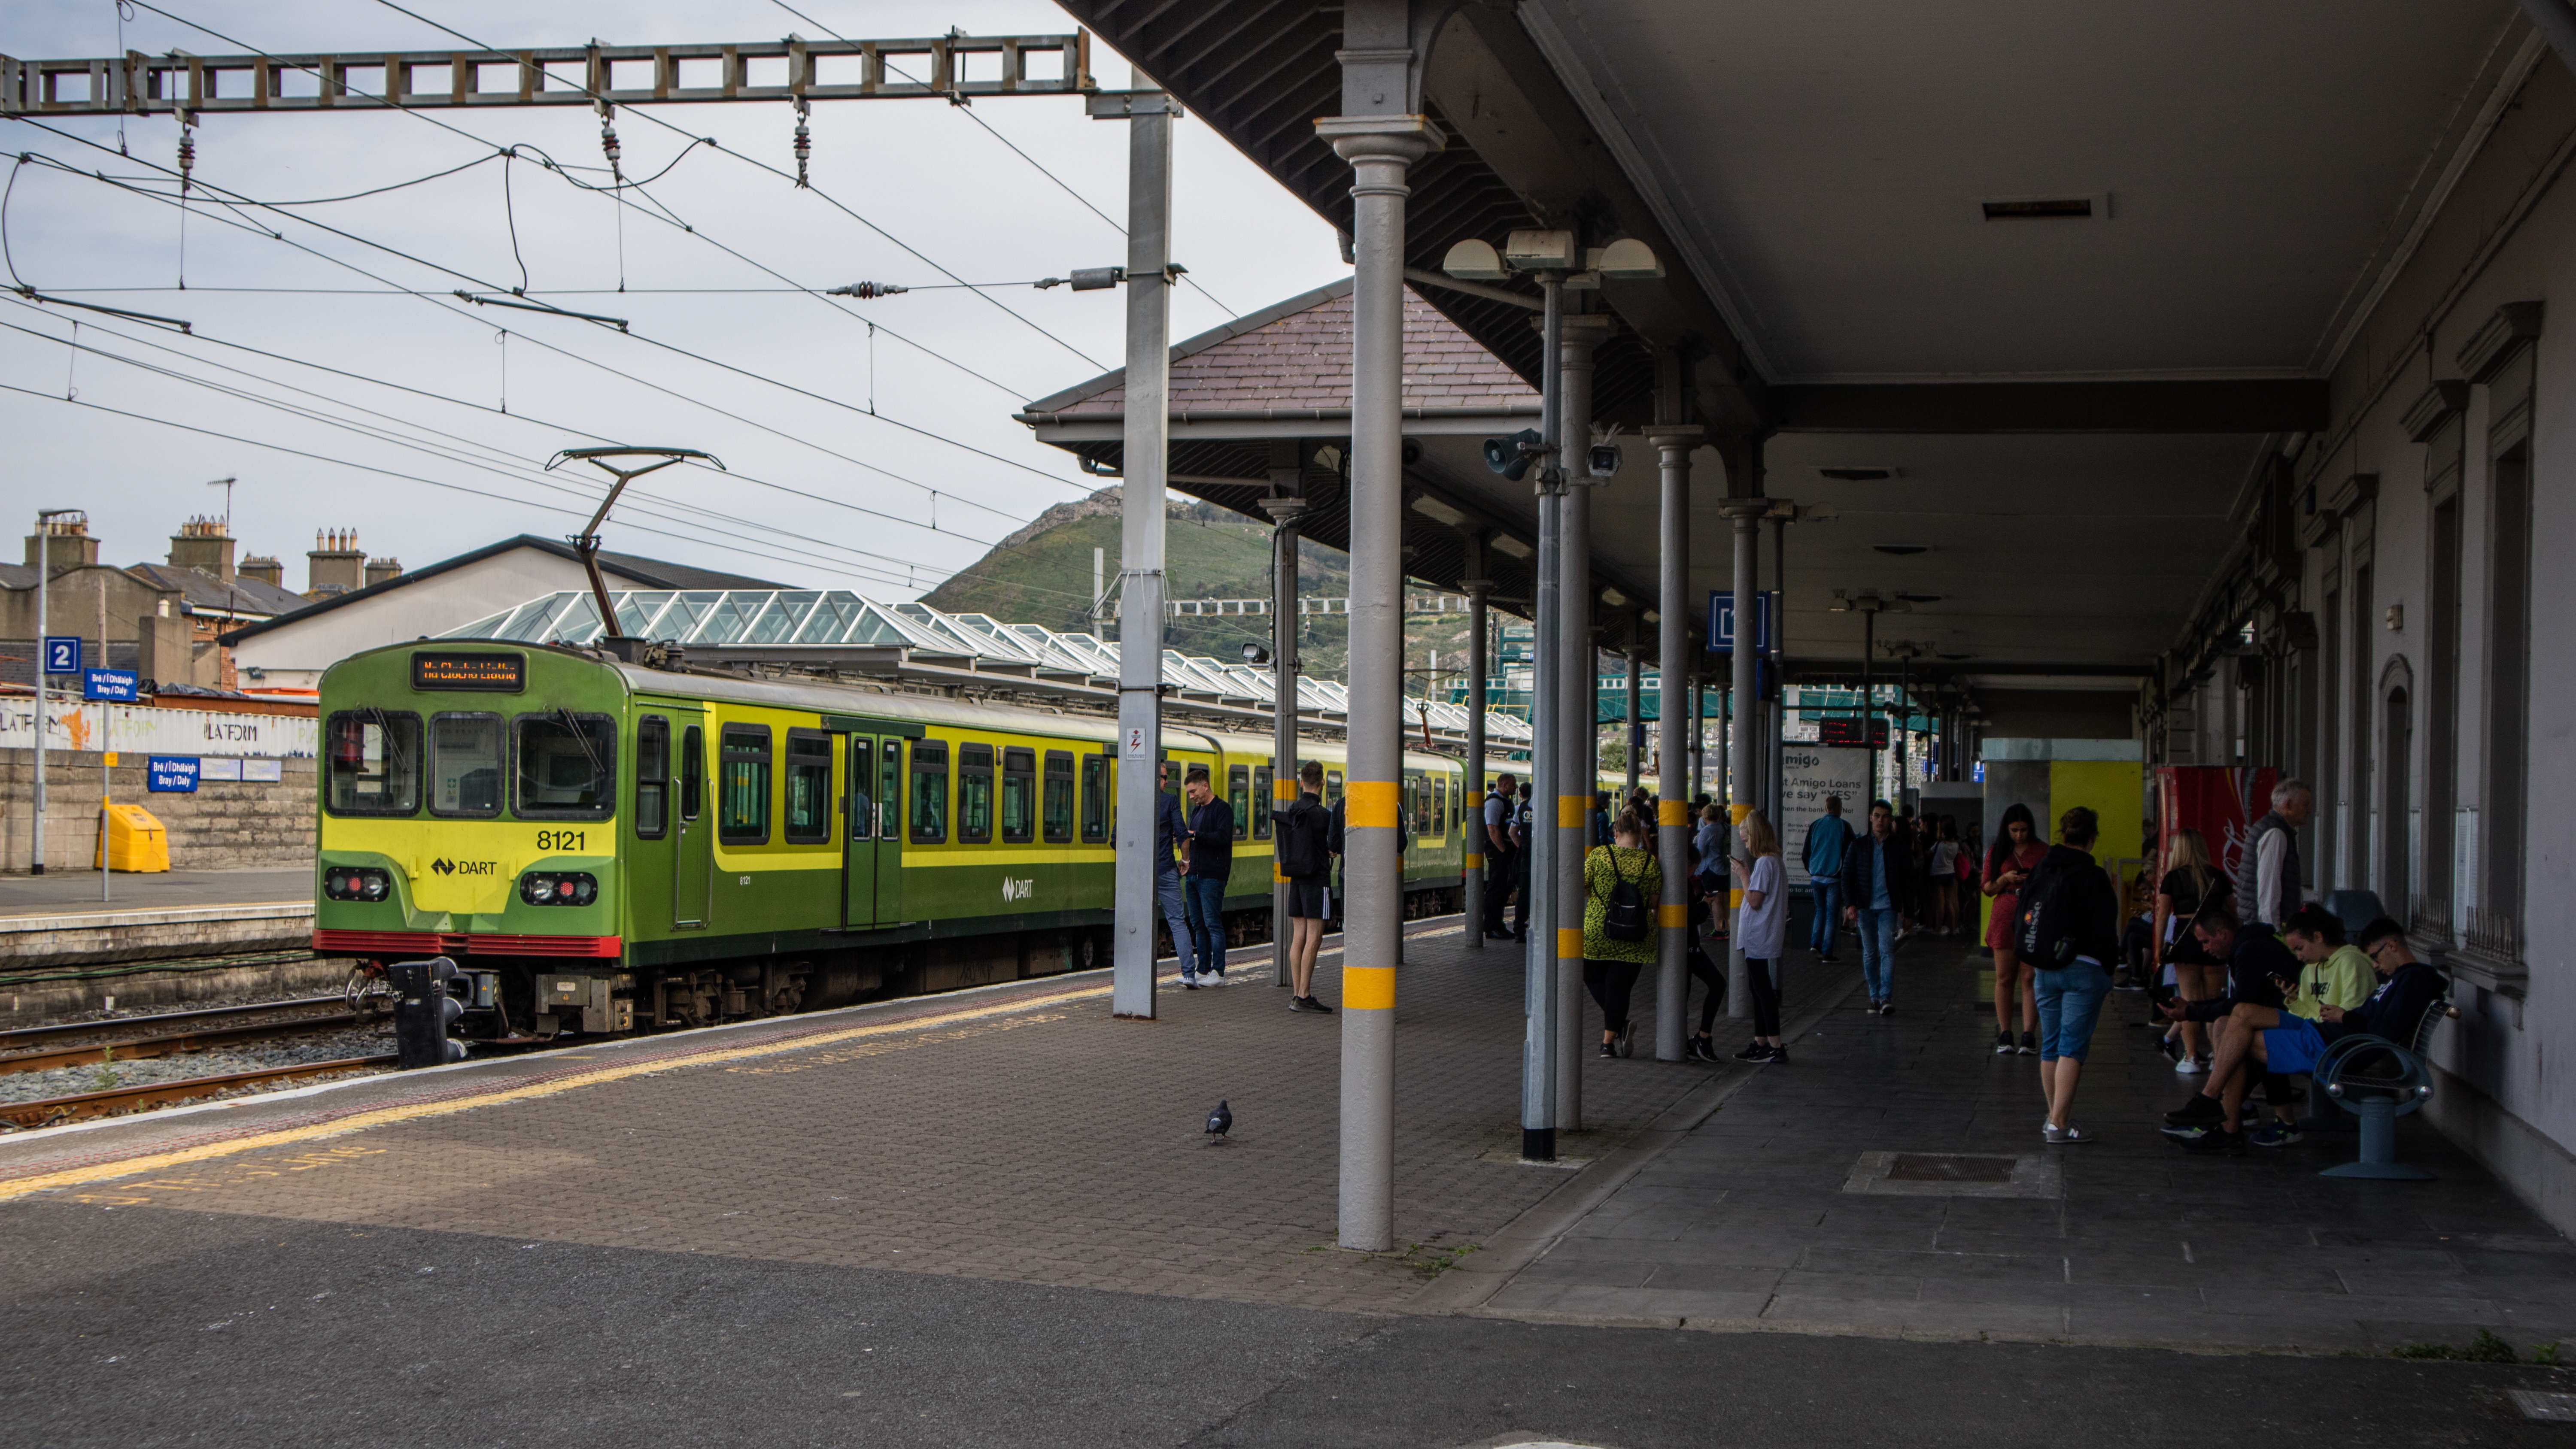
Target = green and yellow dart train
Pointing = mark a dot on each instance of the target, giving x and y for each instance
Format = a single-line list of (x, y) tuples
[(608, 847)]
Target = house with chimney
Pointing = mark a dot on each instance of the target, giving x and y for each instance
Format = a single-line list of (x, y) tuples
[(353, 602), (164, 621)]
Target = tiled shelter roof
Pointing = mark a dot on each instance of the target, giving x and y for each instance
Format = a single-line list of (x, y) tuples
[(1298, 355)]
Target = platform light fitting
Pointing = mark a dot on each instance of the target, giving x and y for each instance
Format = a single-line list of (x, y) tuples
[(1624, 259), (1475, 261), (1540, 251), (1255, 655)]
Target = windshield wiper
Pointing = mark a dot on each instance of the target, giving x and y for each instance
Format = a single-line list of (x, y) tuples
[(598, 769), (393, 745)]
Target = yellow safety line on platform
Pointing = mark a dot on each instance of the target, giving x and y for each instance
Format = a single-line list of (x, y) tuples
[(385, 1116)]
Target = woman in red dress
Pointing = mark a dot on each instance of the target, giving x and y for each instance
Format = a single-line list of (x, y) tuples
[(2016, 853)]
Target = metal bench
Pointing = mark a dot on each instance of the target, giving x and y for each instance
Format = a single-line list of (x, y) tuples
[(2379, 1081)]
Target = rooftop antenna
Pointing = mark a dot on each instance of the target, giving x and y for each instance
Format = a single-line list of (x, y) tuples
[(585, 544)]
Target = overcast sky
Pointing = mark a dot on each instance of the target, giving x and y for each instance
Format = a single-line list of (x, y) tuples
[(924, 172)]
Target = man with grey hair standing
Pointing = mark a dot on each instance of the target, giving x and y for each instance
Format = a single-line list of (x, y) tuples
[(2268, 872)]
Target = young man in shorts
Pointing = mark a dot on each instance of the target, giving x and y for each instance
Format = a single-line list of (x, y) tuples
[(1305, 862)]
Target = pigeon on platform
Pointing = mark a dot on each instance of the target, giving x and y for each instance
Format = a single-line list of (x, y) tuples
[(1219, 1122)]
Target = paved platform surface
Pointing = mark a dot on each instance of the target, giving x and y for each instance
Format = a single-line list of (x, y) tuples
[(989, 1218), (57, 893), (1751, 1219)]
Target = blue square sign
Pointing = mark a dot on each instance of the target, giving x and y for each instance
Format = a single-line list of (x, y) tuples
[(109, 684), (62, 654), (1721, 621), (173, 775)]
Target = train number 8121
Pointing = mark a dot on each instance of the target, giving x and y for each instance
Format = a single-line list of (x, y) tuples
[(562, 839)]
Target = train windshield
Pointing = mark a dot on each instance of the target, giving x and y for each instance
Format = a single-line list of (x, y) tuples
[(374, 763), (567, 765)]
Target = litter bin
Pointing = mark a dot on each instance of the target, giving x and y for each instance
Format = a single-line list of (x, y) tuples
[(136, 840)]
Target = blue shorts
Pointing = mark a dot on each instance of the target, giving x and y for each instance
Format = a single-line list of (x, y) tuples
[(2292, 1047), (2070, 1002)]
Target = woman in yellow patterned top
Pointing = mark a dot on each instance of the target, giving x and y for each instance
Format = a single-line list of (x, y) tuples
[(1622, 884)]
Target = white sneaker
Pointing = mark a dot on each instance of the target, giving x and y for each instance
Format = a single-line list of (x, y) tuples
[(2189, 1067)]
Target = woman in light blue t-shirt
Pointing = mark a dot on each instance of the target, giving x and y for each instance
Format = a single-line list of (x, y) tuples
[(1761, 926)]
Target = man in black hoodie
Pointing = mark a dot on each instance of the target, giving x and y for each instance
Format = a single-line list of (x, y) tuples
[(2257, 964)]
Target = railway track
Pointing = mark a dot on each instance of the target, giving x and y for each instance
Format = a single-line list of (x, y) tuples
[(54, 1111), (76, 1043)]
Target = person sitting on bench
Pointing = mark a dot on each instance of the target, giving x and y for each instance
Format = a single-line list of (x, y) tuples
[(2259, 969), (2290, 1045)]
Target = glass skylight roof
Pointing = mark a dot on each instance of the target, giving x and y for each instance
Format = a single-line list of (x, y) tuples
[(789, 619)]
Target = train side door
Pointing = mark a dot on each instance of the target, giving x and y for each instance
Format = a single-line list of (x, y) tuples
[(692, 834), (873, 867)]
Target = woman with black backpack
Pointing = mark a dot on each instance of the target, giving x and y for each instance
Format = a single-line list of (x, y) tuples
[(1621, 881)]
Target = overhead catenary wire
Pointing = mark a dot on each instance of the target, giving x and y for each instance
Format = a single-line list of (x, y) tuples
[(1061, 184), (537, 475), (835, 202), (525, 417), (518, 470), (621, 185), (487, 285)]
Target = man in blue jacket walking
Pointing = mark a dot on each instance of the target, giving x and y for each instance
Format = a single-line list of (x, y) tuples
[(1828, 836)]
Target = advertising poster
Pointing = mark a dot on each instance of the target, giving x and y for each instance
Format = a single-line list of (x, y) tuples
[(1809, 773), (2219, 801)]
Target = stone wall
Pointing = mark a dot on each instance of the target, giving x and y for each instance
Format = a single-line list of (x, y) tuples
[(225, 825)]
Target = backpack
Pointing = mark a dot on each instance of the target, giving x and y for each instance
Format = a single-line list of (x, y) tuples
[(1301, 840), (1624, 916), (2046, 938)]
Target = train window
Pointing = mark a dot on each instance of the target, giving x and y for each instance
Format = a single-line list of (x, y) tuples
[(1056, 811), (652, 776), (1019, 796), (809, 787), (567, 766), (974, 794), (1261, 803), (1095, 799), (742, 785), (1238, 794), (890, 790), (1332, 788), (862, 814), (693, 773), (465, 764), (375, 763), (930, 792)]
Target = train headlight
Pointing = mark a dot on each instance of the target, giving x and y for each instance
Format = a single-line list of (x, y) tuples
[(558, 888), (356, 883)]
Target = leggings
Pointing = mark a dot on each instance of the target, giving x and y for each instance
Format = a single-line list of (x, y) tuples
[(1612, 983), (1766, 997), (1705, 972)]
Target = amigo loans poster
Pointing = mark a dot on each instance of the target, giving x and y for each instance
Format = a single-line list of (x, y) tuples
[(1809, 773)]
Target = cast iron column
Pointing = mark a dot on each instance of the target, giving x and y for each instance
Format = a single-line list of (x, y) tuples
[(1673, 443)]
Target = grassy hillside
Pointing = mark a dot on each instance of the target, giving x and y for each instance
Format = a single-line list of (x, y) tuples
[(1042, 575)]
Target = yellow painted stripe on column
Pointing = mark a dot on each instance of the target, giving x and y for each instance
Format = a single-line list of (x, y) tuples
[(1671, 812), (1737, 811), (1475, 861), (1569, 942), (1277, 876), (1676, 915), (1284, 788), (1368, 988), (1569, 810), (1369, 804)]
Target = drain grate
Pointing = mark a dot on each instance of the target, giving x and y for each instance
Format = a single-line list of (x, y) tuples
[(1940, 1167), (2546, 1408)]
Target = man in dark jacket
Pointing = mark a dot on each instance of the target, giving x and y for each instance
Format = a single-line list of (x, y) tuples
[(2257, 966), (1878, 890), (1303, 832)]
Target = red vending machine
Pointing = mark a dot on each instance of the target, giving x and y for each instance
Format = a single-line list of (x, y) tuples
[(2219, 801)]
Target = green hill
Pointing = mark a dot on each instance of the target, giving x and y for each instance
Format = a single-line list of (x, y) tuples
[(1042, 575)]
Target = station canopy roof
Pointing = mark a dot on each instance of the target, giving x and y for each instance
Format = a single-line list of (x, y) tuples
[(837, 629)]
